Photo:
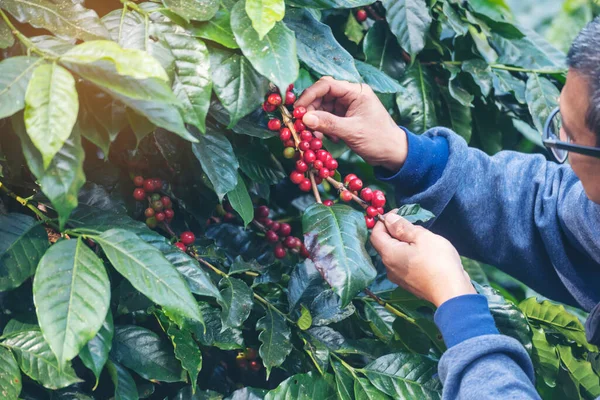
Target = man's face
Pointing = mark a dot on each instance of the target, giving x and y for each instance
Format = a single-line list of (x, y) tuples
[(574, 102)]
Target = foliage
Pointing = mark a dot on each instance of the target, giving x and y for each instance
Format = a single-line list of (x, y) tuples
[(97, 304)]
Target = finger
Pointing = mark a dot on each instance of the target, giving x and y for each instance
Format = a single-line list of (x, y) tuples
[(328, 123), (325, 87), (391, 250), (381, 238), (400, 228)]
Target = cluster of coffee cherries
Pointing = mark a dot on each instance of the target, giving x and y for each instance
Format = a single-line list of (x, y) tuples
[(279, 234), (160, 208), (361, 15), (186, 239), (248, 359), (373, 200)]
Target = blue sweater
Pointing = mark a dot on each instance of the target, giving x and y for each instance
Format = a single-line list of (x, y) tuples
[(519, 212)]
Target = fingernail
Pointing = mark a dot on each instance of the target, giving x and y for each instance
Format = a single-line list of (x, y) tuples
[(310, 120), (392, 217)]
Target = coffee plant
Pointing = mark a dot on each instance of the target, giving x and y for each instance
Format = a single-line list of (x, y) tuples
[(170, 230)]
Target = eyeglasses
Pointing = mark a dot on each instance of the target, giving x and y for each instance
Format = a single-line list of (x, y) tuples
[(559, 143)]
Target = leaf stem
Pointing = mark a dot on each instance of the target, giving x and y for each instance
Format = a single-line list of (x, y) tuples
[(25, 203), (502, 67), (25, 40), (390, 308), (349, 367), (315, 189), (272, 307)]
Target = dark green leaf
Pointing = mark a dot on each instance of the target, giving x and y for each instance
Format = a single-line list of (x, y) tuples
[(353, 29), (149, 272), (215, 154), (380, 320), (186, 351), (581, 371), (51, 106), (530, 51), (10, 375), (308, 386), (38, 362), (409, 20), (381, 51), (95, 353), (6, 37), (72, 316), (125, 388), (92, 130), (237, 85), (327, 309), (413, 213), (145, 353), (416, 100), (218, 30), (259, 165), (317, 47), (64, 19), (542, 97), (335, 237), (319, 353), (23, 242), (15, 73), (377, 79), (496, 10), (324, 4), (275, 337), (505, 82), (344, 382), (481, 73), (304, 285), (199, 10), (216, 334), (237, 301), (458, 116), (457, 92), (140, 125), (545, 357), (364, 390), (405, 375), (454, 20), (274, 56), (248, 125), (241, 202)]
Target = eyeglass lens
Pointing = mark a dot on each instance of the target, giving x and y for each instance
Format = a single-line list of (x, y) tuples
[(557, 133)]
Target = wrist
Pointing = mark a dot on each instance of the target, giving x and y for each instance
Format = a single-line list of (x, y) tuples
[(398, 150), (452, 291)]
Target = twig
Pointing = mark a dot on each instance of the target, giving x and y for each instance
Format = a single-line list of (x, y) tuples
[(24, 39), (389, 307), (25, 203), (272, 307), (341, 187), (501, 67), (315, 189)]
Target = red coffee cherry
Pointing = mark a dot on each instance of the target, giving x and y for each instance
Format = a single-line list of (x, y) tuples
[(271, 236), (274, 99), (322, 155), (309, 156), (285, 229), (158, 183), (324, 173), (316, 144), (296, 177), (305, 185), (268, 107), (169, 213), (139, 194), (355, 184), (290, 87), (370, 221), (290, 242), (349, 177), (149, 185), (366, 194), (328, 203), (160, 216), (361, 15), (166, 202), (262, 212), (380, 210), (346, 196), (275, 226), (290, 98), (301, 166), (372, 211), (181, 246), (299, 125), (306, 135), (228, 217), (279, 251), (318, 164), (303, 146), (149, 212), (187, 238), (304, 251), (274, 124), (318, 180), (285, 134), (138, 181), (378, 201), (332, 164), (299, 112), (289, 143)]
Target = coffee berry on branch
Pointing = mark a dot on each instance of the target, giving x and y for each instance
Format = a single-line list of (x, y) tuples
[(314, 164)]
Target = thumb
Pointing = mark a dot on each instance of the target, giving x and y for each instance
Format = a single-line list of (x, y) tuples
[(328, 123), (400, 228)]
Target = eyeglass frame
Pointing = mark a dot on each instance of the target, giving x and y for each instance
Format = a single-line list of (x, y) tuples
[(561, 145)]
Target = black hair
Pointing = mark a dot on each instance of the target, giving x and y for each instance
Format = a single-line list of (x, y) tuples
[(584, 57)]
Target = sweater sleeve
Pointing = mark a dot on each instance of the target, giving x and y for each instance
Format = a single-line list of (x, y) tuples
[(519, 212), (480, 363)]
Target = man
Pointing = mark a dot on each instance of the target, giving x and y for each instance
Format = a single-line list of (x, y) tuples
[(537, 220)]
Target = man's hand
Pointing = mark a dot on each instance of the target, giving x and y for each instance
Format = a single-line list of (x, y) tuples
[(352, 112), (420, 261)]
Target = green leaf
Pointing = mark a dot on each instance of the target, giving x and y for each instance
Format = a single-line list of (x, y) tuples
[(545, 357), (186, 351), (38, 362), (531, 51), (92, 130), (416, 100), (240, 200), (327, 309), (555, 317), (413, 213), (454, 20), (308, 386), (125, 388), (353, 29), (405, 375), (146, 353), (344, 382), (64, 19), (581, 371), (378, 80), (409, 20), (381, 51), (481, 73), (237, 301), (15, 73), (496, 10), (304, 285), (458, 116), (305, 320), (259, 164), (140, 125), (215, 154), (216, 334), (505, 82), (380, 320), (455, 89), (72, 316), (364, 390), (335, 237), (317, 351), (237, 84), (149, 272), (199, 10), (23, 242), (218, 30), (10, 375), (95, 353), (192, 83), (325, 4), (51, 107), (264, 14), (317, 47), (275, 337), (274, 56), (542, 98), (62, 180), (6, 37)]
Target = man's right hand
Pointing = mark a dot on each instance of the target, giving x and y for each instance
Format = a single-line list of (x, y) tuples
[(352, 112)]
